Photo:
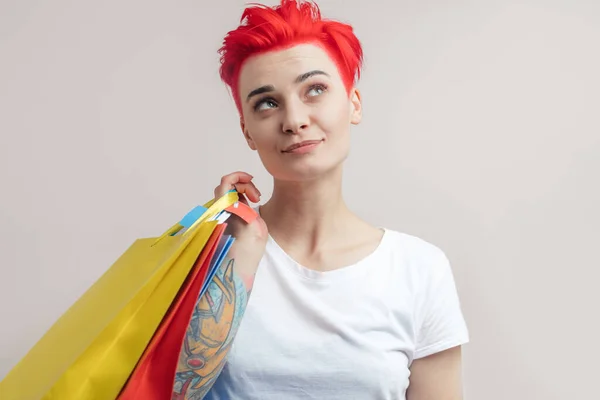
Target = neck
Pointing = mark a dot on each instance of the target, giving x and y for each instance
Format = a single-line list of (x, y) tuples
[(307, 213)]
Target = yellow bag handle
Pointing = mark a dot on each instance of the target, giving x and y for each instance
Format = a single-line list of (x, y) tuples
[(213, 207)]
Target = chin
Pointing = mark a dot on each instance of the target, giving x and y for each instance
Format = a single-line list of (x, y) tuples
[(305, 169)]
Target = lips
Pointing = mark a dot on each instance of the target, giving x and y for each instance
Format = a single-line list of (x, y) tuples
[(301, 144)]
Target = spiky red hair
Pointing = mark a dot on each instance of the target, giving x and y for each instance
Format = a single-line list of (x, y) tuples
[(263, 28)]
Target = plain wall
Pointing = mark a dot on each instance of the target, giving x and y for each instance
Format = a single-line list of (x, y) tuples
[(481, 134)]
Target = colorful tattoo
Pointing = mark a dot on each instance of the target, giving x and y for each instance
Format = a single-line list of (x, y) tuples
[(210, 333)]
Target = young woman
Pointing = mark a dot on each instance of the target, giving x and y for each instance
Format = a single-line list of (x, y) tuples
[(339, 309)]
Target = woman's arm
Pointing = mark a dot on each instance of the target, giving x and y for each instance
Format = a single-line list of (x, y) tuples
[(219, 311), (215, 322), (437, 377)]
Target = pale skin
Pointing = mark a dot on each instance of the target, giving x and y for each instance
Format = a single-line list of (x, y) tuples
[(301, 96), (437, 377)]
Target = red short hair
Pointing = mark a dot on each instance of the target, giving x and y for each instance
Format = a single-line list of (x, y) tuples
[(264, 28)]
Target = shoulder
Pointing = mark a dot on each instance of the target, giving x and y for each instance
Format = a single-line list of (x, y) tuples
[(413, 249), (417, 260)]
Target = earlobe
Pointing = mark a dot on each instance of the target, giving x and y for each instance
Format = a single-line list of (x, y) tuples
[(246, 135), (356, 113)]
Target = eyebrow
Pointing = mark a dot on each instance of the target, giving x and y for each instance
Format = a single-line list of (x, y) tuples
[(309, 74), (299, 79)]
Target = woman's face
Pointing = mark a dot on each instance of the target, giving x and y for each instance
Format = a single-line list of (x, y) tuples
[(292, 96)]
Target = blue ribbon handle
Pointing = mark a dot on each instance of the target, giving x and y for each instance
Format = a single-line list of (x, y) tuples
[(191, 217)]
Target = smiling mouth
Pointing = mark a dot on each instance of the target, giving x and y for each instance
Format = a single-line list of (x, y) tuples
[(303, 147)]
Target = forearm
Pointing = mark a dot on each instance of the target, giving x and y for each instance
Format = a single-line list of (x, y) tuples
[(215, 322)]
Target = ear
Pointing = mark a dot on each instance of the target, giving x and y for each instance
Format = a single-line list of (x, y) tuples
[(355, 107), (246, 134)]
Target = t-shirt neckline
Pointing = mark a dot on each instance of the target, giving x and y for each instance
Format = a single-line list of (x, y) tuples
[(323, 276)]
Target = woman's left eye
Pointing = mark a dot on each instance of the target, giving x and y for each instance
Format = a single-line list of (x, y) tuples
[(316, 90)]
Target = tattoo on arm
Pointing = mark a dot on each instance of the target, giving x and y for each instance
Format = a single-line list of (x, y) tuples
[(213, 326)]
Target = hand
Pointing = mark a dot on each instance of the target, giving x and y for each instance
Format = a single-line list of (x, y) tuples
[(255, 233)]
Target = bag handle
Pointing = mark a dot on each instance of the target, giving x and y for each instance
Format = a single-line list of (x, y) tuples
[(226, 204), (200, 214), (213, 207)]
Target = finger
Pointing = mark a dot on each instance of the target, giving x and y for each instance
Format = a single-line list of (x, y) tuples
[(235, 177), (250, 190), (228, 182)]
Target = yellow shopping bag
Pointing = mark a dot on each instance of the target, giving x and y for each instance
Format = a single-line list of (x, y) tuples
[(94, 346)]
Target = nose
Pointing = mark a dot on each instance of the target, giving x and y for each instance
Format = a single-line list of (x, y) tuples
[(295, 118)]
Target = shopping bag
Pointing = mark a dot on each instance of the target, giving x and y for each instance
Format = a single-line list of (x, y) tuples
[(92, 349), (154, 375)]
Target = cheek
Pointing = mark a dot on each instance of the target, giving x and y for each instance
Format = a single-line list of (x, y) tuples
[(334, 117), (263, 134)]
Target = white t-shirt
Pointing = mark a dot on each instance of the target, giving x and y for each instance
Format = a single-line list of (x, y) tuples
[(349, 333)]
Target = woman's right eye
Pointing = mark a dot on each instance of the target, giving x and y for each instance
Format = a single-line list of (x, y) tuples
[(265, 104)]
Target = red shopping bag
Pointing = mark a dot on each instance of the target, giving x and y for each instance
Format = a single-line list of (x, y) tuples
[(154, 375)]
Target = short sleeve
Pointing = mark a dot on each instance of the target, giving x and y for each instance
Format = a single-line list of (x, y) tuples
[(440, 323)]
